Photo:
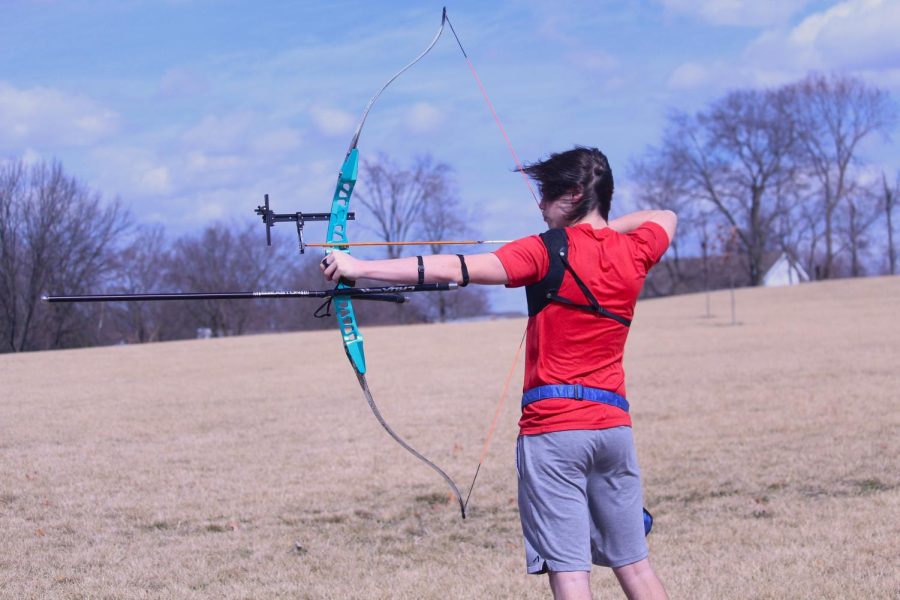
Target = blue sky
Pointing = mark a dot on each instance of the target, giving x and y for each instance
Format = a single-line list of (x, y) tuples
[(190, 110)]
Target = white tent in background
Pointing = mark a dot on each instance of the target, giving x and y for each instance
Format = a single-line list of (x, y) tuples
[(784, 271)]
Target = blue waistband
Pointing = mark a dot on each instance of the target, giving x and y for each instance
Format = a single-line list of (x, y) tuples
[(575, 392)]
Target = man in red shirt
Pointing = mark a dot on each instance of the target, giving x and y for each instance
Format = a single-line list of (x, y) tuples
[(579, 484)]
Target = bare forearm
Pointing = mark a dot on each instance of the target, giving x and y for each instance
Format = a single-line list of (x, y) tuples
[(666, 219), (439, 268), (632, 221)]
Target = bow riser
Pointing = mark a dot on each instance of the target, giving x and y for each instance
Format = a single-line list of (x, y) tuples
[(337, 234)]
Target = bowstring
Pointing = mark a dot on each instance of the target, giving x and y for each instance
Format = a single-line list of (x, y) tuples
[(445, 19), (519, 167), (501, 401)]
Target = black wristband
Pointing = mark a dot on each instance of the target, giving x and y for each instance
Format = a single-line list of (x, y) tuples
[(465, 270), (421, 270)]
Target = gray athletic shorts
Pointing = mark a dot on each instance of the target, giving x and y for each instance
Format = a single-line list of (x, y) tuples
[(580, 500)]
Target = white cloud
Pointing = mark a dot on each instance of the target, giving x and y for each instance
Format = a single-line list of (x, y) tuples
[(719, 76), (750, 13), (181, 82), (594, 60), (857, 34), (216, 153), (226, 133), (28, 157), (424, 117), (209, 209), (46, 116), (155, 178), (200, 163), (276, 141), (332, 121), (690, 75), (246, 134), (31, 157), (131, 172)]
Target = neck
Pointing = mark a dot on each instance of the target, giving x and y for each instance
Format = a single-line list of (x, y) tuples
[(594, 219)]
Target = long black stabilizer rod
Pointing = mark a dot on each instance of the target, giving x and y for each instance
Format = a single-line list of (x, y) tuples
[(389, 293)]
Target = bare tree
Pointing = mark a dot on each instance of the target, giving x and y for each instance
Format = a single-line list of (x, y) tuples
[(443, 218), (143, 267), (12, 190), (662, 185), (224, 258), (860, 211), (57, 236), (420, 200), (737, 157), (799, 229), (397, 196), (834, 115)]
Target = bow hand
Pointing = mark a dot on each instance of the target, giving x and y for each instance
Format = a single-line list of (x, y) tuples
[(338, 266)]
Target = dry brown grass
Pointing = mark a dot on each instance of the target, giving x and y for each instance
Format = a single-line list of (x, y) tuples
[(252, 468)]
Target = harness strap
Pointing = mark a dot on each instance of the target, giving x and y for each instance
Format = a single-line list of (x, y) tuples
[(594, 305), (546, 291), (575, 392)]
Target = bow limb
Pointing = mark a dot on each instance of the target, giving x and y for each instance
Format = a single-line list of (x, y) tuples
[(355, 140), (453, 487)]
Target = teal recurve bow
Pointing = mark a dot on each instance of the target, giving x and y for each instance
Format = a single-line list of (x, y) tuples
[(343, 305), (337, 240)]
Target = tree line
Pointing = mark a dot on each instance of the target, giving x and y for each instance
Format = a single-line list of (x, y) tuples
[(58, 236), (755, 172), (780, 170)]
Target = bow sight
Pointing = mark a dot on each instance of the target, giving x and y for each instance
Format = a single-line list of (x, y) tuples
[(270, 217)]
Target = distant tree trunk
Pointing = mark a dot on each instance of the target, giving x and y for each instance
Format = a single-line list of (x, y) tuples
[(861, 212), (704, 249), (442, 218), (853, 237), (889, 202)]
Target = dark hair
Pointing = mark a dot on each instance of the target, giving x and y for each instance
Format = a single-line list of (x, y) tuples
[(581, 169)]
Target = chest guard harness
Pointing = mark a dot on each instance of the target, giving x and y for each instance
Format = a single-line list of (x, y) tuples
[(545, 291)]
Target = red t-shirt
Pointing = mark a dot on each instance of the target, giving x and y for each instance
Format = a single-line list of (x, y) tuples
[(566, 345)]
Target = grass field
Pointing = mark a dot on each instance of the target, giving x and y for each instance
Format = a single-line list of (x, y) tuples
[(252, 468)]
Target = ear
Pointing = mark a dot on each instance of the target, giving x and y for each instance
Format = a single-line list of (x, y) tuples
[(575, 196)]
